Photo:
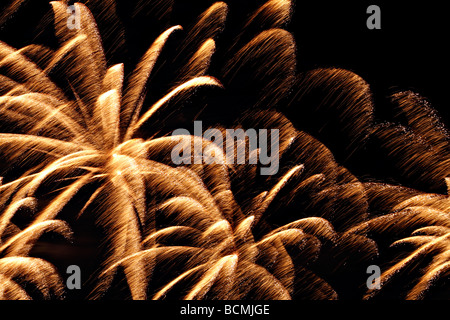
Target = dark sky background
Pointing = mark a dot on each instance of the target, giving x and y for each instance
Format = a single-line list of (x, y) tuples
[(409, 52)]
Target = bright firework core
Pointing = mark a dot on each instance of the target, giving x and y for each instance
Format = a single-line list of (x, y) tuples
[(288, 187)]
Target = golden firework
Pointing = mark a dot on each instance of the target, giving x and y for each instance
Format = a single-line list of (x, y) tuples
[(82, 138)]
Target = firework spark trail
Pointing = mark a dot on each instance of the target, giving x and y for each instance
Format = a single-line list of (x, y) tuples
[(212, 231), (424, 159), (330, 96), (16, 269), (10, 9), (37, 271), (416, 226), (436, 246), (236, 234), (415, 143), (46, 111), (86, 134)]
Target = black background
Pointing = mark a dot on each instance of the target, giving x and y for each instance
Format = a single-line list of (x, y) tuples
[(409, 52)]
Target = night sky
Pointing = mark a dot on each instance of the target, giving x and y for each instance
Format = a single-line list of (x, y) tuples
[(410, 52)]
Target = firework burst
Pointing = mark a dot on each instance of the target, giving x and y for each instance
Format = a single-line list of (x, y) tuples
[(88, 141)]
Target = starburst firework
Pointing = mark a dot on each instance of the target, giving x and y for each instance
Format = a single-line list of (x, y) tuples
[(89, 141)]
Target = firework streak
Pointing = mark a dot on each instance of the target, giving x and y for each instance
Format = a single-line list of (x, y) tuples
[(89, 177)]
